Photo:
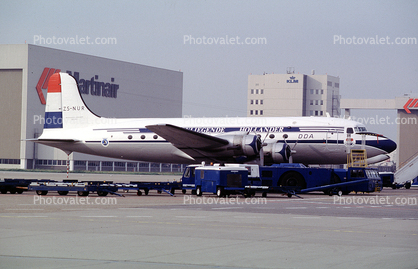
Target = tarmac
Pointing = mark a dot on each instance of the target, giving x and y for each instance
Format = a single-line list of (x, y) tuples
[(376, 230)]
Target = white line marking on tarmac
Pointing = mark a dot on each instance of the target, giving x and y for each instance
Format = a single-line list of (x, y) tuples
[(227, 207), (191, 217), (307, 217), (300, 207), (139, 216), (23, 209), (97, 216)]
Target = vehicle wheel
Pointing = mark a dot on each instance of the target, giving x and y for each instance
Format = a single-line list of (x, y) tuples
[(19, 191), (172, 191), (289, 195), (41, 192), (139, 193), (12, 191), (292, 179), (264, 194), (183, 191), (102, 193), (146, 191), (83, 193), (219, 191), (407, 185), (199, 191), (3, 191), (62, 192)]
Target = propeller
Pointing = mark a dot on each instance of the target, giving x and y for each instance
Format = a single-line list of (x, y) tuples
[(292, 150)]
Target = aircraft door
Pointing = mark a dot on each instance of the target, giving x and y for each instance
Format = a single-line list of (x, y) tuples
[(333, 137)]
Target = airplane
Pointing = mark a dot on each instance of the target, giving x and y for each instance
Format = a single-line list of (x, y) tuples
[(72, 127)]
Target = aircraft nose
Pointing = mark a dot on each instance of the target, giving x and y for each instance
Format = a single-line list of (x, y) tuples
[(382, 143), (389, 145)]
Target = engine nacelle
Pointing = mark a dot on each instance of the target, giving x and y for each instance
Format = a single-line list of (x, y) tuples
[(276, 153), (241, 144)]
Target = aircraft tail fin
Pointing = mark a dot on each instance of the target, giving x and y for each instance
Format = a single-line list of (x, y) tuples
[(65, 108)]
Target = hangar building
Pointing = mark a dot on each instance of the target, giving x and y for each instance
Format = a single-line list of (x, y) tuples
[(137, 91)]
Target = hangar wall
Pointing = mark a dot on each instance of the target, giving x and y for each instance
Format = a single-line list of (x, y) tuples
[(138, 91)]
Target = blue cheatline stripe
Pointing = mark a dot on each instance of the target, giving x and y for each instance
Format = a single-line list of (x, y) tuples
[(53, 120)]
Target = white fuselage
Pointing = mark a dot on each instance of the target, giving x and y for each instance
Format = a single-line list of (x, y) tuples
[(318, 140)]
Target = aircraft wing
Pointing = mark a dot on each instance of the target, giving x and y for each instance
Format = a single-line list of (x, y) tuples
[(185, 139)]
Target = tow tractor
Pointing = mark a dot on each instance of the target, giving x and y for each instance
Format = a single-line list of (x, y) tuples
[(291, 179)]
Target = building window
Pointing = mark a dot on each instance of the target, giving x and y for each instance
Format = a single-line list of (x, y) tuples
[(317, 91), (256, 112), (256, 91), (329, 83), (311, 91), (252, 91), (322, 113), (256, 102), (261, 112), (316, 112), (261, 102), (311, 102), (322, 91), (311, 112), (322, 102), (251, 102), (251, 112), (262, 91), (337, 85), (316, 102)]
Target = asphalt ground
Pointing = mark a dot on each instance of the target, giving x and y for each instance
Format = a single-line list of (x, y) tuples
[(376, 230)]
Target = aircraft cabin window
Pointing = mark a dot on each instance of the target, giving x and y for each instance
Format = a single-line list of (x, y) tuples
[(350, 130)]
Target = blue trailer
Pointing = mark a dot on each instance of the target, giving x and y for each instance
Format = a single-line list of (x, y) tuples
[(220, 180), (17, 185)]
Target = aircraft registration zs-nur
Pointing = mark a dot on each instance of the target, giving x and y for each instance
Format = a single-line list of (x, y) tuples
[(72, 127)]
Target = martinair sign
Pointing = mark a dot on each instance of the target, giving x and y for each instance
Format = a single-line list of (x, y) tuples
[(411, 103), (90, 86)]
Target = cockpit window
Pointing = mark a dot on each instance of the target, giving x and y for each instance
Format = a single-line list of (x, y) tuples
[(360, 129), (350, 130)]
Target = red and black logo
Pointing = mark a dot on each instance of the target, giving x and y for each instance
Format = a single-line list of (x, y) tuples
[(43, 82)]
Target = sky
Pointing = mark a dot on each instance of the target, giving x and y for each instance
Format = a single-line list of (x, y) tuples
[(330, 37)]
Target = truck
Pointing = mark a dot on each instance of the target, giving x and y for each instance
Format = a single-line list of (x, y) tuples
[(290, 179), (217, 179)]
